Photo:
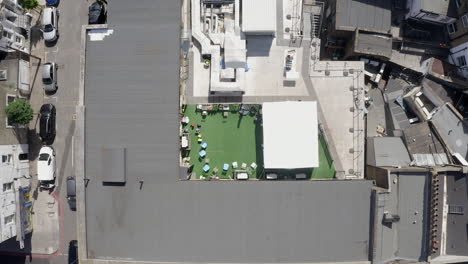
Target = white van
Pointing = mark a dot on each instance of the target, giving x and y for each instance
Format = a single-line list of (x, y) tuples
[(50, 24)]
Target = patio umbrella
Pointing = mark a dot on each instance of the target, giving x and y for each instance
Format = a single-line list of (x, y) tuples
[(202, 153), (204, 145), (206, 168)]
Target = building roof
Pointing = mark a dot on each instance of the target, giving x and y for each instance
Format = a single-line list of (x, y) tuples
[(399, 118), (441, 7), (259, 16), (132, 102), (420, 139), (371, 15), (452, 129), (290, 136), (457, 198), (373, 44), (407, 238), (387, 152)]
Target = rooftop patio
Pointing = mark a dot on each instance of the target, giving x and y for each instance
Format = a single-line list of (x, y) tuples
[(225, 140)]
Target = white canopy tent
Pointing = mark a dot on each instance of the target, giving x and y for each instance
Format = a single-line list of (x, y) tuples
[(290, 135)]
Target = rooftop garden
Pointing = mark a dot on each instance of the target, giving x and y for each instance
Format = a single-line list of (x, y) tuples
[(224, 140)]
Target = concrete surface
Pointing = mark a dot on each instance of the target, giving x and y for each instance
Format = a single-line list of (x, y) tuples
[(343, 113), (46, 234), (265, 77)]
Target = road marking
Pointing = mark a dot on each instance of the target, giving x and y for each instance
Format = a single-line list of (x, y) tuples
[(73, 151), (50, 97)]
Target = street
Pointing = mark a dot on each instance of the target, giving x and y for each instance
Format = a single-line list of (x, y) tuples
[(66, 53)]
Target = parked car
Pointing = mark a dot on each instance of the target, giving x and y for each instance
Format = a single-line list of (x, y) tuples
[(97, 13), (71, 192), (73, 252), (49, 77), (46, 168), (50, 24), (47, 123), (52, 2)]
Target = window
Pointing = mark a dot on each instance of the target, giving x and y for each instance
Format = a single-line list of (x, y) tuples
[(452, 28), (9, 219), (464, 19), (7, 158), (23, 156), (461, 61), (7, 34), (18, 40), (7, 186)]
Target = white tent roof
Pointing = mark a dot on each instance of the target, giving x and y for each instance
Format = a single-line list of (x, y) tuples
[(259, 16), (290, 135)]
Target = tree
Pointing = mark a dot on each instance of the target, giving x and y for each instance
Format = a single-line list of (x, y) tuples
[(19, 111), (29, 4)]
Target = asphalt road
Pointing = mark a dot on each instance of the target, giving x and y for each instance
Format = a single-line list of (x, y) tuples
[(66, 53)]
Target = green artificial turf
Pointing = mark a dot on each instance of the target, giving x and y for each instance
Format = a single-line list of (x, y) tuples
[(233, 138), (239, 138)]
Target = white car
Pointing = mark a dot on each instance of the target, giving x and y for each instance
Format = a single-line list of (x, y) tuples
[(50, 24), (46, 168)]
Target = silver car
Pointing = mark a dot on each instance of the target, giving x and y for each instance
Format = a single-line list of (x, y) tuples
[(49, 77)]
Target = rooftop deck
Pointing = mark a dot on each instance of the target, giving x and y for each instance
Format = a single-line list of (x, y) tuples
[(232, 138)]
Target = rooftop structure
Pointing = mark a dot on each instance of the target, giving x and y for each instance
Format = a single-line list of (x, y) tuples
[(155, 217), (452, 129), (290, 135), (363, 25), (370, 15), (387, 152), (255, 22)]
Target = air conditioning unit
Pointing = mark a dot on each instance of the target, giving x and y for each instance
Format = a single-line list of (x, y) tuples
[(3, 75)]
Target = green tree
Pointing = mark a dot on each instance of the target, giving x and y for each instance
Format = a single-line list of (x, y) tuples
[(19, 111), (29, 4)]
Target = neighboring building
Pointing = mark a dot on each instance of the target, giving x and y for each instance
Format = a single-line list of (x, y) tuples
[(359, 28), (458, 33), (15, 26), (432, 11), (401, 214), (14, 165), (14, 192), (449, 236)]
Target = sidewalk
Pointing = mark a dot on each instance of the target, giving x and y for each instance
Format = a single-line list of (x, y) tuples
[(45, 236)]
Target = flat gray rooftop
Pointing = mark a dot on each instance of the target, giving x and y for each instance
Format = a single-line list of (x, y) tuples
[(407, 238), (131, 100), (372, 15), (457, 224)]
